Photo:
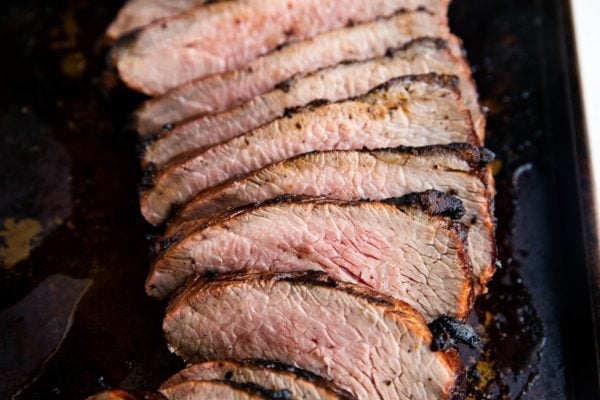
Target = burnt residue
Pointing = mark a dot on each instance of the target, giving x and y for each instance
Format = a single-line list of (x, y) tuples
[(449, 332), (446, 81), (433, 202), (285, 85), (517, 316), (308, 278), (148, 178)]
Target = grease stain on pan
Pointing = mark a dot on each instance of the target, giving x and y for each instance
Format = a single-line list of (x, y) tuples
[(20, 237)]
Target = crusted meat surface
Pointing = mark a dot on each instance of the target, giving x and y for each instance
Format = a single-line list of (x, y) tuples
[(395, 248), (413, 111), (227, 35), (374, 346), (334, 84), (221, 92), (221, 390), (271, 375), (459, 169)]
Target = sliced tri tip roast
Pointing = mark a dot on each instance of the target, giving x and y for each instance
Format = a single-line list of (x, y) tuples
[(332, 206), (351, 79), (412, 110), (221, 92), (226, 35), (375, 346)]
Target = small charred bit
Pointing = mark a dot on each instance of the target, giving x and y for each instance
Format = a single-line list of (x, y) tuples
[(165, 243), (389, 53), (154, 243), (318, 103), (283, 394), (289, 112), (285, 85), (448, 332), (443, 80), (148, 139), (121, 44), (140, 147), (437, 42), (148, 176), (433, 202)]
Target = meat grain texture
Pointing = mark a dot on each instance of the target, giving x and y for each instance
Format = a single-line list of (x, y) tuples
[(412, 111), (374, 346), (227, 35), (397, 249), (221, 92), (460, 169), (342, 82)]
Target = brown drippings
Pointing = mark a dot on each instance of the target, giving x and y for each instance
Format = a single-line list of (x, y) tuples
[(19, 238)]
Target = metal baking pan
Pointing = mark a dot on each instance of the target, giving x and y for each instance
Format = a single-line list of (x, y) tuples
[(74, 318)]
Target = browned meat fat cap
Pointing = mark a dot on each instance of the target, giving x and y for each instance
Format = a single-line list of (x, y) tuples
[(227, 35), (138, 13), (374, 346), (412, 110), (405, 247), (338, 83), (221, 92), (268, 374)]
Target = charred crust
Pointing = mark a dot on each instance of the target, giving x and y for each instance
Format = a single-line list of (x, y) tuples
[(308, 278), (434, 42), (475, 156), (285, 86), (447, 81), (145, 142), (433, 202), (302, 374), (317, 103), (448, 332), (318, 278), (279, 366), (122, 43), (254, 388), (148, 176)]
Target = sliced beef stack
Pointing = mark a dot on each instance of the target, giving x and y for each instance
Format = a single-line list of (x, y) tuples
[(327, 207)]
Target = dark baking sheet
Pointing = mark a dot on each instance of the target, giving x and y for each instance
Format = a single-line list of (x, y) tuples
[(74, 316)]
